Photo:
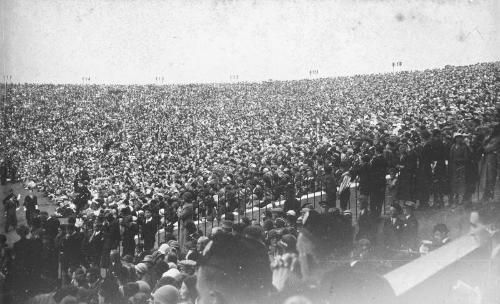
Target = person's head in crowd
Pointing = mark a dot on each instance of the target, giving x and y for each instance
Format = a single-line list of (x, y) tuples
[(363, 249), (227, 275), (166, 295), (79, 278), (268, 225), (187, 267), (425, 135), (130, 289), (201, 243), (287, 244), (165, 280), (484, 223), (69, 300), (227, 226), (22, 231), (273, 236), (176, 274), (238, 229), (347, 215), (395, 210), (160, 267), (255, 233), (458, 138), (245, 221), (268, 215), (215, 231), (408, 208), (141, 269), (440, 233), (279, 223), (148, 214), (324, 206), (171, 257), (144, 286), (147, 259), (139, 298), (436, 135), (191, 227), (229, 217), (188, 292)]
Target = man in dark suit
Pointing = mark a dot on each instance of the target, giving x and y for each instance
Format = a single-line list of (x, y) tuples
[(30, 206), (149, 228), (94, 244), (129, 231), (365, 222), (439, 155), (410, 226), (393, 229), (72, 247), (10, 203), (377, 173), (424, 169), (23, 264), (50, 224)]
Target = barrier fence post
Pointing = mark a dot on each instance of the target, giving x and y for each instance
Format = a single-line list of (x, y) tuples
[(321, 187), (239, 205), (258, 207), (385, 196), (355, 199), (227, 203), (314, 193), (251, 198), (205, 217), (307, 194)]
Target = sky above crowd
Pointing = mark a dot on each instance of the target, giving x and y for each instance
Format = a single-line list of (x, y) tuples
[(188, 41)]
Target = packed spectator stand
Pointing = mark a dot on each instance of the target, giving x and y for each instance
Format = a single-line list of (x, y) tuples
[(144, 177)]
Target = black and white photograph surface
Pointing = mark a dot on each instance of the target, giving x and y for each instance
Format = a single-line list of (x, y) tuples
[(249, 151)]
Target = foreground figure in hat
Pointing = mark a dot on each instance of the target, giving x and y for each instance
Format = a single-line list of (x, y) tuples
[(323, 278), (229, 273)]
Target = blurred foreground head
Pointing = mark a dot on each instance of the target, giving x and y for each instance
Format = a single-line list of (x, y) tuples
[(229, 272), (484, 223)]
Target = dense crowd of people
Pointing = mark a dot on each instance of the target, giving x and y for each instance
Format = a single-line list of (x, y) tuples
[(133, 168)]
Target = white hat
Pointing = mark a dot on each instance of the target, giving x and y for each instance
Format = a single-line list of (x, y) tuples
[(291, 212), (173, 273), (163, 248)]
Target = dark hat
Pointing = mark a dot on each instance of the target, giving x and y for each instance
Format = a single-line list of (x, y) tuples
[(147, 259), (227, 225), (441, 228), (187, 266), (235, 257), (409, 204)]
